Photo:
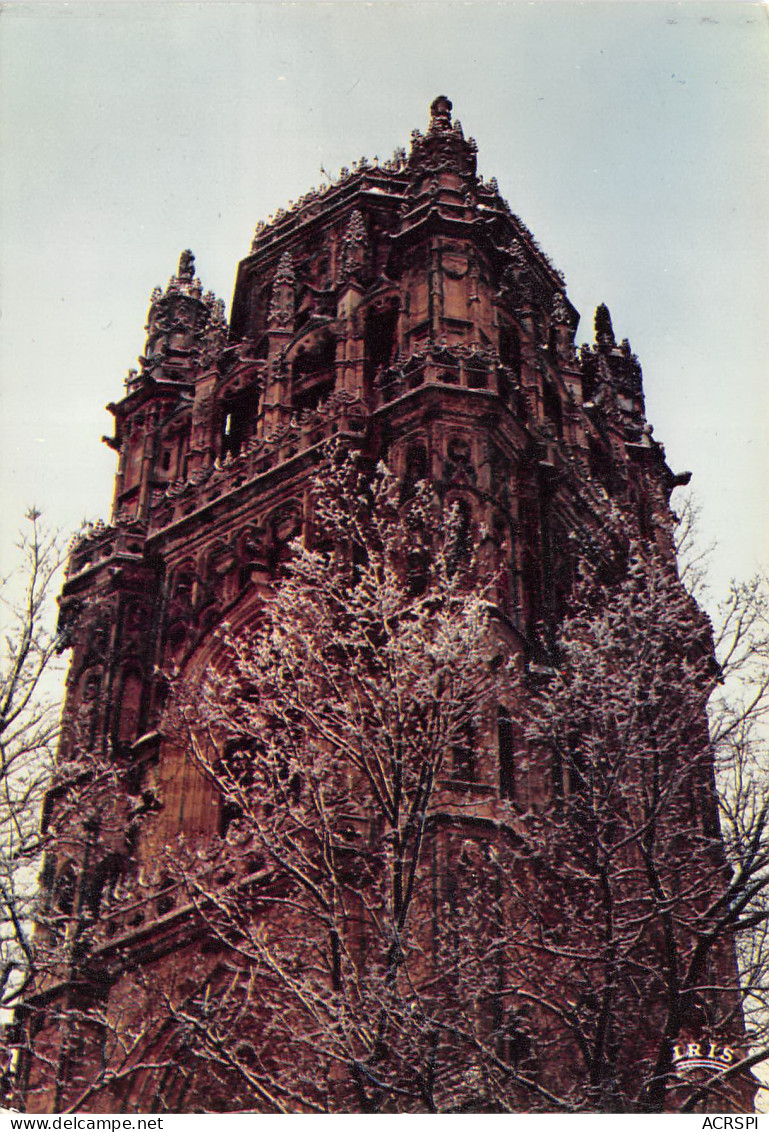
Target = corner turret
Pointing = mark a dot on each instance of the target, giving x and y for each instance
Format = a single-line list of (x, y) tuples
[(179, 322), (186, 334)]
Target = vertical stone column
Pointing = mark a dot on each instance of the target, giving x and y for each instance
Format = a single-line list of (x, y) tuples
[(351, 349), (276, 404)]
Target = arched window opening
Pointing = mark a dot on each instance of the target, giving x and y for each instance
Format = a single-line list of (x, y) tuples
[(504, 386), (506, 755), (282, 527), (510, 350), (551, 404), (552, 343), (313, 375), (238, 417), (463, 755), (601, 467), (531, 565), (477, 374), (381, 326), (416, 470)]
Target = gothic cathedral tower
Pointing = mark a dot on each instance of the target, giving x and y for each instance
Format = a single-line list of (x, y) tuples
[(406, 312)]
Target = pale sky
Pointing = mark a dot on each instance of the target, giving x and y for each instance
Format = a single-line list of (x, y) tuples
[(631, 138)]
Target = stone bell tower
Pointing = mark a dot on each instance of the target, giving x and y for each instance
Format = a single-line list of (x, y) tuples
[(405, 311)]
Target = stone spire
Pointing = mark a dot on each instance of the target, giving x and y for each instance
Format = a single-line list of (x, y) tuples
[(604, 331), (440, 114), (178, 321), (186, 269), (444, 146)]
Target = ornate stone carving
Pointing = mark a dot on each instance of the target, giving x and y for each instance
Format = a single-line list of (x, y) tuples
[(423, 385), (559, 310), (354, 244), (282, 303), (186, 269), (285, 273), (604, 331), (440, 114), (458, 466)]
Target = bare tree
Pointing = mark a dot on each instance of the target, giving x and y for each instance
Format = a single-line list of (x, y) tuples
[(624, 717), (329, 732), (339, 733), (738, 713), (457, 954), (29, 714), (447, 878), (39, 944)]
